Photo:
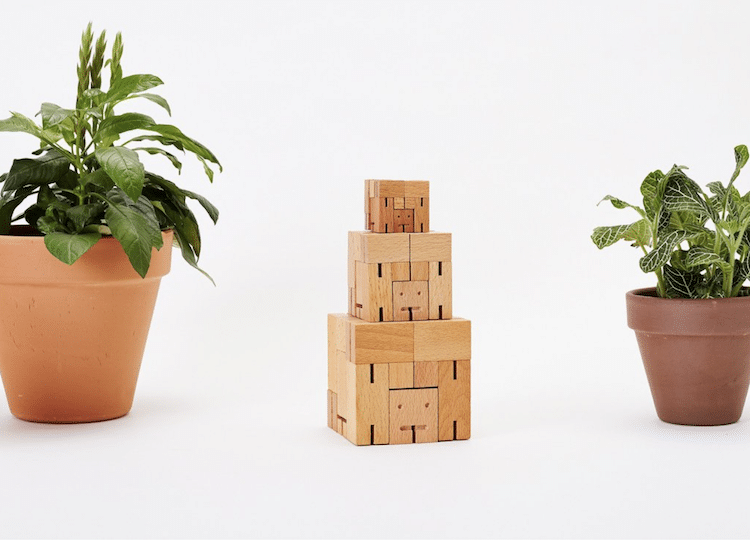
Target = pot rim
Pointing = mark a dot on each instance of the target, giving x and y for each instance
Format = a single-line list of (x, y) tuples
[(687, 317), (650, 293)]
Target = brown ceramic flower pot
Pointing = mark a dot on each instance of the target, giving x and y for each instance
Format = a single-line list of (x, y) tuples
[(72, 337), (696, 353)]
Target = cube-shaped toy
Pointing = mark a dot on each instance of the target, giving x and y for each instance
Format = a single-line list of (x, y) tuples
[(399, 382), (399, 364), (397, 206), (400, 277)]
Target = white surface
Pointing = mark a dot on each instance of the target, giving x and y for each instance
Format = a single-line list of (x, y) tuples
[(523, 115)]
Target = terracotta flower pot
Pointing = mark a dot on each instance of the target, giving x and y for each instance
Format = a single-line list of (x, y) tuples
[(696, 353), (72, 337)]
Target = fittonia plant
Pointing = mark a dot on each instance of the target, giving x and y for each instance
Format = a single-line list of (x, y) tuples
[(698, 245)]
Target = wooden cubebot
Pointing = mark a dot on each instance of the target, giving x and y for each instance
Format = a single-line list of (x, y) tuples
[(400, 277), (397, 206), (399, 382)]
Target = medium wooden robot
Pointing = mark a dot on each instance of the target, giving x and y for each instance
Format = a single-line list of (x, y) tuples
[(399, 362)]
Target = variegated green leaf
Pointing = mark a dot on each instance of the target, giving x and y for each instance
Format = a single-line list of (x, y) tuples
[(683, 194), (700, 256), (608, 235), (649, 189), (661, 253), (681, 284)]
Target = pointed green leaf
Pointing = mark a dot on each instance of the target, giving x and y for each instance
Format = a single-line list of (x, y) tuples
[(124, 168), (212, 211), (159, 139), (155, 98), (19, 123), (8, 204), (189, 256), (135, 226), (46, 169), (132, 84), (111, 128), (171, 157), (68, 248), (190, 144), (84, 215), (53, 114)]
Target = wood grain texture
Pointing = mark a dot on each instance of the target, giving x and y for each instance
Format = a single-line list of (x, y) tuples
[(442, 340), (454, 394), (426, 374), (400, 272), (420, 270), (413, 416), (389, 188), (372, 410), (374, 291), (381, 342), (369, 247), (417, 188), (431, 246), (441, 290), (401, 375), (422, 215)]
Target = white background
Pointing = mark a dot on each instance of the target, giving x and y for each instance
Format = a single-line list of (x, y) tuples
[(522, 115)]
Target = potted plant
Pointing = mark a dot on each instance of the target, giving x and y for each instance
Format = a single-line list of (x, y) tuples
[(85, 237), (693, 328)]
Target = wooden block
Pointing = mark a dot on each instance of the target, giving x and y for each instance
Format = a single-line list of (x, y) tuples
[(356, 246), (400, 272), (410, 202), (401, 375), (336, 343), (442, 340), (417, 188), (430, 246), (422, 215), (413, 415), (371, 247), (388, 188), (367, 203), (381, 214), (420, 270), (333, 421), (380, 342), (403, 221), (426, 374), (398, 203), (374, 293), (370, 384), (454, 395), (440, 290), (410, 301)]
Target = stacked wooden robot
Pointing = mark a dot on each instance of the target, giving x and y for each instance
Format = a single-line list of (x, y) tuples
[(399, 362)]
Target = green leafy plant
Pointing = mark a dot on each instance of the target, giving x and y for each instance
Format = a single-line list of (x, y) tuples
[(697, 245), (84, 182)]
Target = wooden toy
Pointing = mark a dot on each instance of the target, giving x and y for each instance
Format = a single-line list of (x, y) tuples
[(397, 206), (400, 276), (399, 364)]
